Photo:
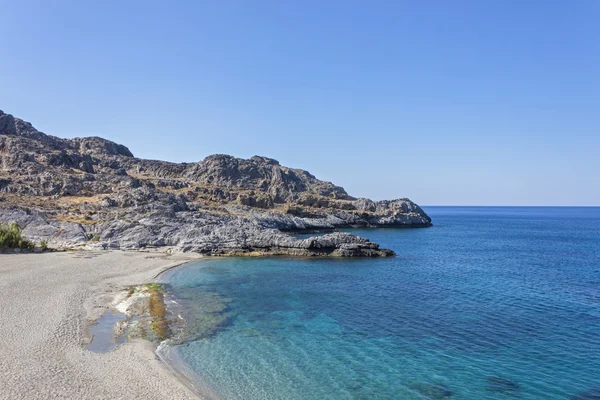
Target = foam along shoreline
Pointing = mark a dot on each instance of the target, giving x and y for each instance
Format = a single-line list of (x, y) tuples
[(50, 300)]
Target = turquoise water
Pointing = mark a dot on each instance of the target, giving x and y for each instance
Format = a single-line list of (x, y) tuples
[(490, 303)]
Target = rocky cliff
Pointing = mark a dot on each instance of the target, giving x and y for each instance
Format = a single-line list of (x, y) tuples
[(94, 192)]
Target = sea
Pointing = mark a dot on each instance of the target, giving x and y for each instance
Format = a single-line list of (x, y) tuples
[(488, 303)]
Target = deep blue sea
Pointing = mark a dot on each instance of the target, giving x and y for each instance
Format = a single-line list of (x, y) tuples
[(489, 303)]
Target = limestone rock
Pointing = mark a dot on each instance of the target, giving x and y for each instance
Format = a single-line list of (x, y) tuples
[(93, 192)]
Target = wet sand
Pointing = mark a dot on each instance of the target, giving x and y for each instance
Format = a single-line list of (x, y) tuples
[(48, 300)]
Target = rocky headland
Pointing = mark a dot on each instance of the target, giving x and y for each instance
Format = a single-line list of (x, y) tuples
[(93, 193)]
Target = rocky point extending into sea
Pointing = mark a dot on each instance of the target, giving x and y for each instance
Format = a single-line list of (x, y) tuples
[(92, 193)]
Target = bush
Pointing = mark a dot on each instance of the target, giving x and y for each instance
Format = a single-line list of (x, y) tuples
[(10, 236), (44, 245)]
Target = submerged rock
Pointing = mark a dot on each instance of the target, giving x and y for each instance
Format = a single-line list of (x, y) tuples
[(200, 314), (592, 394), (500, 384), (433, 391)]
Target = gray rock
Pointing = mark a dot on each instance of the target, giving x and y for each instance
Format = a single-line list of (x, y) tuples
[(95, 193)]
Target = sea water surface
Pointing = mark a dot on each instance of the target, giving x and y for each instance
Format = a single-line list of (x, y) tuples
[(489, 303)]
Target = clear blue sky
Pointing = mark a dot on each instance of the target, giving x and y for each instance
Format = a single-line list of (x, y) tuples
[(446, 102)]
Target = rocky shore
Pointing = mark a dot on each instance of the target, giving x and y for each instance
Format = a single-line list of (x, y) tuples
[(92, 193)]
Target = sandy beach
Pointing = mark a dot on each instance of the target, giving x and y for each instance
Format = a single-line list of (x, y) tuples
[(46, 302)]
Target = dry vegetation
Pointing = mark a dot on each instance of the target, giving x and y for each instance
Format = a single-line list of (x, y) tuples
[(75, 219), (78, 200)]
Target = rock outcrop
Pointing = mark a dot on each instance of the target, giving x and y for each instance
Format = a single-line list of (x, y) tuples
[(94, 192)]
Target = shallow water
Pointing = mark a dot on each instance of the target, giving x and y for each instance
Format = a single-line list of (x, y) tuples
[(490, 303), (103, 332)]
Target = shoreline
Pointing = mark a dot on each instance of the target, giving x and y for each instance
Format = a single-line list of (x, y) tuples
[(50, 299), (172, 360), (168, 353)]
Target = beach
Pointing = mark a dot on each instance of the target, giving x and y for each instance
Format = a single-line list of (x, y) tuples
[(48, 300)]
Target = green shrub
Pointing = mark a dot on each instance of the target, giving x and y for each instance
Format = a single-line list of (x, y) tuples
[(44, 245), (10, 236)]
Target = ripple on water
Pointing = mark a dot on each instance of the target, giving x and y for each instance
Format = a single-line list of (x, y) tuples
[(500, 384), (592, 394), (203, 314), (433, 391), (488, 304)]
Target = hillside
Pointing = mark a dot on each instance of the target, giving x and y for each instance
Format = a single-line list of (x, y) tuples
[(93, 192)]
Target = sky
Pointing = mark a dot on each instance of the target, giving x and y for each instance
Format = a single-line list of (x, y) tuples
[(445, 102)]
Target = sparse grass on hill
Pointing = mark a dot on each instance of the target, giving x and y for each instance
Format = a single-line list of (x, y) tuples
[(11, 236), (78, 200), (76, 219)]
